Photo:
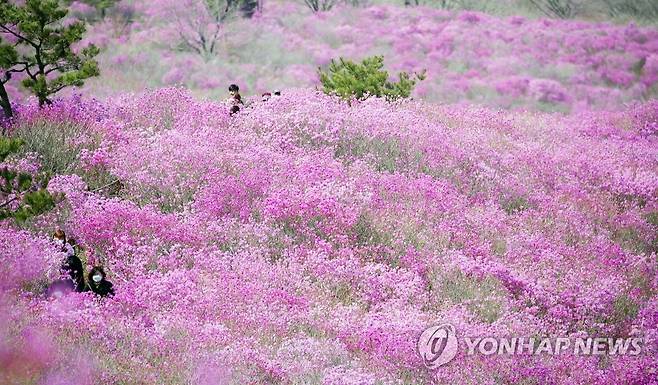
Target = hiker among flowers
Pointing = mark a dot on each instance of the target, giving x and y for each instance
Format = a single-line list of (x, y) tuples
[(59, 237), (98, 283), (234, 98), (71, 271)]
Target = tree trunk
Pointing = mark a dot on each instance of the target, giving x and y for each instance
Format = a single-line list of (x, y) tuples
[(6, 105)]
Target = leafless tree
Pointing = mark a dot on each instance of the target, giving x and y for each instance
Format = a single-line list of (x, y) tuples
[(199, 24)]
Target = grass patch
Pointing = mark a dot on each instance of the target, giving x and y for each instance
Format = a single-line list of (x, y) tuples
[(365, 233), (630, 239), (384, 154), (59, 145), (485, 298), (514, 204)]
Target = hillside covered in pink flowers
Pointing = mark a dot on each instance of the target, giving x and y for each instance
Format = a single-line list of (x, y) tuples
[(470, 57), (310, 240)]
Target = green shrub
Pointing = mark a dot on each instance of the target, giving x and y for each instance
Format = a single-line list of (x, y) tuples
[(22, 196), (53, 142), (368, 78), (366, 233)]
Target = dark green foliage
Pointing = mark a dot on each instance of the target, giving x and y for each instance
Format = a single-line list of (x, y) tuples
[(652, 218), (624, 308), (21, 195), (8, 147), (368, 78), (366, 233), (8, 57), (34, 203), (45, 52)]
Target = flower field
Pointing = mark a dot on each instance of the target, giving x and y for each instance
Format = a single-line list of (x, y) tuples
[(310, 240), (470, 57)]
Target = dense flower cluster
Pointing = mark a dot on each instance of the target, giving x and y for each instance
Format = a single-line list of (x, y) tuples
[(517, 63), (305, 240)]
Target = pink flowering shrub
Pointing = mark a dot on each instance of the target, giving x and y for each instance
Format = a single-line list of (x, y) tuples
[(548, 91), (517, 63), (305, 240), (26, 259)]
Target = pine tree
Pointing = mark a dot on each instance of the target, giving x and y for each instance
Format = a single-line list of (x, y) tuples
[(45, 51), (361, 80)]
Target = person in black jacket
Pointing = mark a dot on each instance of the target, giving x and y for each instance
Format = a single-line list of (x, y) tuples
[(98, 284), (73, 266), (234, 95)]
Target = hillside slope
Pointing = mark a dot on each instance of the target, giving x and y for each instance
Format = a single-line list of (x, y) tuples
[(513, 62), (305, 241)]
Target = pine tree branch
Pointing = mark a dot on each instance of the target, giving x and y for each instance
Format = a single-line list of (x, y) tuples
[(10, 31), (8, 201)]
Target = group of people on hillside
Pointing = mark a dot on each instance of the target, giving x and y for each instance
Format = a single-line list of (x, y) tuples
[(235, 99), (72, 272)]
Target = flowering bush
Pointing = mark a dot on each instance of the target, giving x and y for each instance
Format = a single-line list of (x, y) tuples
[(306, 240), (514, 62)]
